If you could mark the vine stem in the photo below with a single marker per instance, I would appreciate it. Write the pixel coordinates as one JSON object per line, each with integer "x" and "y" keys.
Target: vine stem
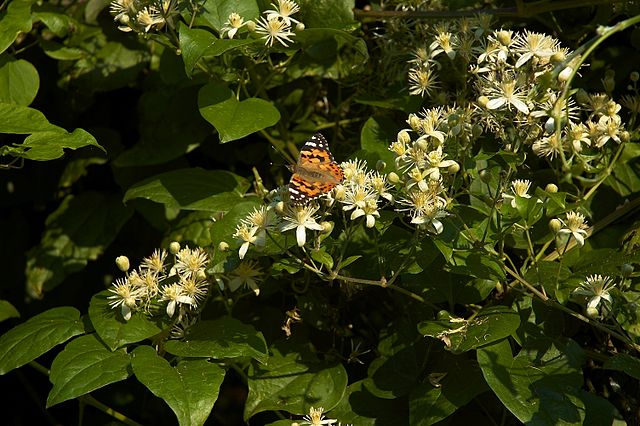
{"x": 522, "y": 10}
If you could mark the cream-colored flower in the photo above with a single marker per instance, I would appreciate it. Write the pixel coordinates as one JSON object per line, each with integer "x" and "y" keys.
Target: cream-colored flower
{"x": 233, "y": 23}
{"x": 301, "y": 219}
{"x": 519, "y": 188}
{"x": 274, "y": 29}
{"x": 575, "y": 226}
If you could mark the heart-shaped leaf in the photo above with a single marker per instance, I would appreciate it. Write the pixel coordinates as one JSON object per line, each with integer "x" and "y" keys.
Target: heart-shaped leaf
{"x": 234, "y": 119}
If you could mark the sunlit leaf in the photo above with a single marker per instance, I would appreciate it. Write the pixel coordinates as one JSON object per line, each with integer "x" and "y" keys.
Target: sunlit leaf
{"x": 190, "y": 388}
{"x": 235, "y": 119}
{"x": 85, "y": 365}
{"x": 38, "y": 335}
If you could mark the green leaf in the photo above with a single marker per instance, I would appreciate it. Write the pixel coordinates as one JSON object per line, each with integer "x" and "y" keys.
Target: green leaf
{"x": 197, "y": 43}
{"x": 316, "y": 13}
{"x": 542, "y": 384}
{"x": 625, "y": 363}
{"x": 348, "y": 261}
{"x": 85, "y": 365}
{"x": 220, "y": 339}
{"x": 193, "y": 44}
{"x": 456, "y": 381}
{"x": 38, "y": 335}
{"x": 375, "y": 139}
{"x": 216, "y": 12}
{"x": 479, "y": 265}
{"x": 58, "y": 23}
{"x": 192, "y": 189}
{"x": 489, "y": 325}
{"x": 323, "y": 257}
{"x": 76, "y": 233}
{"x": 7, "y": 310}
{"x": 19, "y": 81}
{"x": 360, "y": 407}
{"x": 46, "y": 142}
{"x": 114, "y": 331}
{"x": 44, "y": 146}
{"x": 292, "y": 383}
{"x": 60, "y": 52}
{"x": 235, "y": 119}
{"x": 16, "y": 20}
{"x": 170, "y": 127}
{"x": 18, "y": 119}
{"x": 190, "y": 388}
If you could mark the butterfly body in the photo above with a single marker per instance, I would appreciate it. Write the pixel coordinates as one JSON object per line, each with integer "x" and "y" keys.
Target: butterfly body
{"x": 316, "y": 172}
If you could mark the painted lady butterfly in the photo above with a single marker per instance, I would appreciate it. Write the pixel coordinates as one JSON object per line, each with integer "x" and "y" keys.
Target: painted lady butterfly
{"x": 316, "y": 172}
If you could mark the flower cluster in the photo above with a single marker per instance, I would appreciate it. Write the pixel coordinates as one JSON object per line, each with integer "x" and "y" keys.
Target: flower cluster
{"x": 517, "y": 91}
{"x": 141, "y": 16}
{"x": 182, "y": 286}
{"x": 275, "y": 26}
{"x": 423, "y": 166}
{"x": 363, "y": 192}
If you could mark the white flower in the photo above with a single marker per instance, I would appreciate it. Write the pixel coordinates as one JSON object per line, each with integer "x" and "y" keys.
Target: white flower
{"x": 436, "y": 161}
{"x": 315, "y": 418}
{"x": 301, "y": 219}
{"x": 150, "y": 17}
{"x": 283, "y": 10}
{"x": 232, "y": 25}
{"x": 507, "y": 93}
{"x": 422, "y": 81}
{"x": 574, "y": 226}
{"x": 246, "y": 274}
{"x": 125, "y": 296}
{"x": 248, "y": 236}
{"x": 191, "y": 263}
{"x": 274, "y": 28}
{"x": 519, "y": 187}
{"x": 176, "y": 296}
{"x": 596, "y": 288}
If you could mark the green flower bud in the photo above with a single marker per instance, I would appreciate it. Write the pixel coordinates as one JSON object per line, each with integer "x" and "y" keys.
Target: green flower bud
{"x": 555, "y": 225}
{"x": 393, "y": 178}
{"x": 123, "y": 263}
{"x": 223, "y": 246}
{"x": 174, "y": 247}
{"x": 551, "y": 188}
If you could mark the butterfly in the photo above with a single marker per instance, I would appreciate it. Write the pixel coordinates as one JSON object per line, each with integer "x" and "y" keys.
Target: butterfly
{"x": 316, "y": 172}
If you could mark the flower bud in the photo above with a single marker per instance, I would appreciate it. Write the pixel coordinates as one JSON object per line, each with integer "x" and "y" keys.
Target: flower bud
{"x": 174, "y": 247}
{"x": 550, "y": 125}
{"x": 223, "y": 246}
{"x": 279, "y": 208}
{"x": 380, "y": 166}
{"x": 123, "y": 263}
{"x": 422, "y": 145}
{"x": 627, "y": 270}
{"x": 393, "y": 178}
{"x": 551, "y": 188}
{"x": 565, "y": 74}
{"x": 300, "y": 26}
{"x": 592, "y": 312}
{"x": 454, "y": 168}
{"x": 403, "y": 137}
{"x": 634, "y": 76}
{"x": 555, "y": 225}
{"x": 414, "y": 122}
{"x": 483, "y": 101}
{"x": 504, "y": 37}
{"x": 484, "y": 175}
{"x": 609, "y": 83}
{"x": 251, "y": 26}
{"x": 327, "y": 227}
